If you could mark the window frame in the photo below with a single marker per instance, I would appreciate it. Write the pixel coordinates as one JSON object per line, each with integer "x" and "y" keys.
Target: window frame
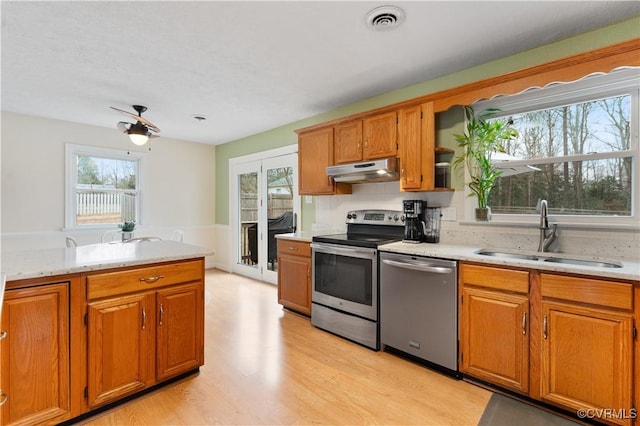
{"x": 593, "y": 86}
{"x": 72, "y": 151}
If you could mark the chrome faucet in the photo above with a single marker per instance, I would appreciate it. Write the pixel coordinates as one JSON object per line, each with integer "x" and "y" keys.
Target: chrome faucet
{"x": 546, "y": 237}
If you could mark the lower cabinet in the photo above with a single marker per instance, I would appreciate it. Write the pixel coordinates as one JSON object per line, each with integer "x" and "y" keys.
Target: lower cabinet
{"x": 34, "y": 353}
{"x": 587, "y": 346}
{"x": 576, "y": 354}
{"x": 494, "y": 344}
{"x": 294, "y": 275}
{"x": 137, "y": 336}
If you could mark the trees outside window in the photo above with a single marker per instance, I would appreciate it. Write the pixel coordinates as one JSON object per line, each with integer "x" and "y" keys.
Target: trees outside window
{"x": 584, "y": 146}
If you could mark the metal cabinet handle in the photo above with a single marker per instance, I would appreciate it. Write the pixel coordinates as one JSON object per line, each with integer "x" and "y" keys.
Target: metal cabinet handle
{"x": 293, "y": 248}
{"x": 151, "y": 279}
{"x": 161, "y": 313}
{"x": 524, "y": 323}
{"x": 3, "y": 335}
{"x": 544, "y": 327}
{"x": 4, "y": 397}
{"x": 144, "y": 318}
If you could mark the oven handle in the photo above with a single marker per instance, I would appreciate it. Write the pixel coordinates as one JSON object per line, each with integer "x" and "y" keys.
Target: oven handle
{"x": 345, "y": 251}
{"x": 422, "y": 267}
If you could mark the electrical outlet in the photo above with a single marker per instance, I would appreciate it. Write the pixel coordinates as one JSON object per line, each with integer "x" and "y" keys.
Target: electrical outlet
{"x": 448, "y": 214}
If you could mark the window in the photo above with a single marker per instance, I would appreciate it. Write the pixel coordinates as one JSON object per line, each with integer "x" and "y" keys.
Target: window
{"x": 103, "y": 186}
{"x": 577, "y": 148}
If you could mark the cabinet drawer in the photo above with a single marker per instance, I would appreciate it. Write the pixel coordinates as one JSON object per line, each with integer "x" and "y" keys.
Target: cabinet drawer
{"x": 140, "y": 279}
{"x": 498, "y": 278}
{"x": 297, "y": 248}
{"x": 584, "y": 290}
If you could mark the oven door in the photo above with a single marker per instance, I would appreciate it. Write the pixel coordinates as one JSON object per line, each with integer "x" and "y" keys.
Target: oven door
{"x": 345, "y": 278}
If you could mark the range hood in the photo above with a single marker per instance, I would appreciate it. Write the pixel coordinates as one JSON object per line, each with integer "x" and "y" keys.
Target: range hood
{"x": 383, "y": 170}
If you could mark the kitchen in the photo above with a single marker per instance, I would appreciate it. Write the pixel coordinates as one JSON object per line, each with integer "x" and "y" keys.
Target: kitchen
{"x": 318, "y": 213}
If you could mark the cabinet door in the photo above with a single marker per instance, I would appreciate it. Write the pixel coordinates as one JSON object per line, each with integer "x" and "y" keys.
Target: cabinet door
{"x": 315, "y": 153}
{"x": 494, "y": 342}
{"x": 348, "y": 142}
{"x": 380, "y": 136}
{"x": 586, "y": 358}
{"x": 121, "y": 348}
{"x": 410, "y": 148}
{"x": 180, "y": 329}
{"x": 294, "y": 283}
{"x": 35, "y": 355}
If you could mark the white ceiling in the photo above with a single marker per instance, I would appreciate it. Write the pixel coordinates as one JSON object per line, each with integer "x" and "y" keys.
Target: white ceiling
{"x": 253, "y": 66}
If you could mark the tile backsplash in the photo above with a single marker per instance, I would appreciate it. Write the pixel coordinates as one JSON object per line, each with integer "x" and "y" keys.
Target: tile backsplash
{"x": 607, "y": 243}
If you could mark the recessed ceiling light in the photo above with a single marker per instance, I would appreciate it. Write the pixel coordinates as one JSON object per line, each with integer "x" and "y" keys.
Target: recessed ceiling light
{"x": 385, "y": 18}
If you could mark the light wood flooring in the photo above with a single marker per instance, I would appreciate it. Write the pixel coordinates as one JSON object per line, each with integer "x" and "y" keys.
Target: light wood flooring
{"x": 268, "y": 366}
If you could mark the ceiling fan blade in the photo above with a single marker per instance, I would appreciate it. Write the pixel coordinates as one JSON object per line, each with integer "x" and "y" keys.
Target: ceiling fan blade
{"x": 152, "y": 136}
{"x": 142, "y": 120}
{"x": 123, "y": 126}
{"x": 149, "y": 124}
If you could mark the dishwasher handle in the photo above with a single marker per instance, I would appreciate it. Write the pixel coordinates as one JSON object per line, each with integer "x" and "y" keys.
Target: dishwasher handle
{"x": 418, "y": 266}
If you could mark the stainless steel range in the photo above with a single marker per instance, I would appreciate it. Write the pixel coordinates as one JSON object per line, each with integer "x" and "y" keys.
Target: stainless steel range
{"x": 345, "y": 275}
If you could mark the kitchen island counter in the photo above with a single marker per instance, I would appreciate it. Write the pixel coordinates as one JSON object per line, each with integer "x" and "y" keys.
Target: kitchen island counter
{"x": 26, "y": 264}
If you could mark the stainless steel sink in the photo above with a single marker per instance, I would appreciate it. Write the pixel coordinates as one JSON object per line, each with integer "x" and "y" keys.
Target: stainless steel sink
{"x": 506, "y": 255}
{"x": 581, "y": 262}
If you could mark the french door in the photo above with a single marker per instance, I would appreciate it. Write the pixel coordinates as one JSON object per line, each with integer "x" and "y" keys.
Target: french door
{"x": 264, "y": 202}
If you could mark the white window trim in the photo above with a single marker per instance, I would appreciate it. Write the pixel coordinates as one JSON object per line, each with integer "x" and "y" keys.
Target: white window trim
{"x": 618, "y": 82}
{"x": 71, "y": 176}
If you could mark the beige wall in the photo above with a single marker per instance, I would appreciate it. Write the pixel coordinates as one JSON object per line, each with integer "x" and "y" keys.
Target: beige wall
{"x": 179, "y": 183}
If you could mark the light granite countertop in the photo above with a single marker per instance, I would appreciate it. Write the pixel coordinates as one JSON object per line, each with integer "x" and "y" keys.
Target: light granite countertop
{"x": 297, "y": 236}
{"x": 18, "y": 265}
{"x": 628, "y": 271}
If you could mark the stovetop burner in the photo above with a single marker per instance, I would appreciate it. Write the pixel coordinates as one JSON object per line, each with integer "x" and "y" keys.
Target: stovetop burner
{"x": 368, "y": 228}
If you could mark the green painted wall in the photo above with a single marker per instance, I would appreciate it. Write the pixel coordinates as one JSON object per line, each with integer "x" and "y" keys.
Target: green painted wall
{"x": 285, "y": 135}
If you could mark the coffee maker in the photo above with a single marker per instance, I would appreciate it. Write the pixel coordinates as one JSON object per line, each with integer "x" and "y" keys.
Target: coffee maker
{"x": 414, "y": 226}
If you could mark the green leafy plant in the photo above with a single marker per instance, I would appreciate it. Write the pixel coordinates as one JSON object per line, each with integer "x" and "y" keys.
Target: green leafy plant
{"x": 128, "y": 226}
{"x": 482, "y": 138}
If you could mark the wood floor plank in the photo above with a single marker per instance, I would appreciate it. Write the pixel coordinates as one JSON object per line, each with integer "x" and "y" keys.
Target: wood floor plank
{"x": 268, "y": 366}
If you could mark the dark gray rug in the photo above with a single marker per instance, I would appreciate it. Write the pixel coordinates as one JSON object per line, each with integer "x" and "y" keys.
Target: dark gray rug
{"x": 506, "y": 411}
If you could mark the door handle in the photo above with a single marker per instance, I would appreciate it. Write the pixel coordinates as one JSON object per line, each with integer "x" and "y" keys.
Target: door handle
{"x": 524, "y": 323}
{"x": 544, "y": 327}
{"x": 144, "y": 318}
{"x": 422, "y": 267}
{"x": 161, "y": 313}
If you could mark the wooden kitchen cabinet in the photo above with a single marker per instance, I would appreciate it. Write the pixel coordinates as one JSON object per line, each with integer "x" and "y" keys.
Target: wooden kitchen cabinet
{"x": 348, "y": 142}
{"x": 294, "y": 275}
{"x": 144, "y": 325}
{"x": 587, "y": 344}
{"x": 315, "y": 153}
{"x": 35, "y": 355}
{"x": 416, "y": 141}
{"x": 494, "y": 343}
{"x": 380, "y": 134}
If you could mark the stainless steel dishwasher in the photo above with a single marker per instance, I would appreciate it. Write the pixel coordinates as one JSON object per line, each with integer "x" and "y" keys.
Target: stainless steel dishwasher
{"x": 419, "y": 308}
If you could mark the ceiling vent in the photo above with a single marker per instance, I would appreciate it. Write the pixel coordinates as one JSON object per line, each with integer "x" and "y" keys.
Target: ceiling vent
{"x": 385, "y": 18}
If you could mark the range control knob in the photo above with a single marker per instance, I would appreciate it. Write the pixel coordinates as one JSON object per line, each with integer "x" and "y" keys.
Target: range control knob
{"x": 396, "y": 218}
{"x": 348, "y": 215}
{"x": 402, "y": 218}
{"x": 353, "y": 216}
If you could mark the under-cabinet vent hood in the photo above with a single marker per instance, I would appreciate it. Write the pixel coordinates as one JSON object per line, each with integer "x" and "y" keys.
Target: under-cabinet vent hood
{"x": 383, "y": 170}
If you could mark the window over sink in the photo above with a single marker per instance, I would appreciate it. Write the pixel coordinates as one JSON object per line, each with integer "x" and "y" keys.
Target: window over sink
{"x": 577, "y": 148}
{"x": 102, "y": 186}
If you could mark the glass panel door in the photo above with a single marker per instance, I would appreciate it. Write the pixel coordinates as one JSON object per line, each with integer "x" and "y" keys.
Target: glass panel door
{"x": 279, "y": 208}
{"x": 265, "y": 202}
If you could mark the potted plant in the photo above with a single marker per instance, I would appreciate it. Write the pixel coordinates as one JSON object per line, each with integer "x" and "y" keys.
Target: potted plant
{"x": 482, "y": 138}
{"x": 127, "y": 229}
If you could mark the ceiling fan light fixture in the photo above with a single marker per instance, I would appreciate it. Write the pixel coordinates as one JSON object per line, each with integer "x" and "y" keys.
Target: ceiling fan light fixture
{"x": 139, "y": 134}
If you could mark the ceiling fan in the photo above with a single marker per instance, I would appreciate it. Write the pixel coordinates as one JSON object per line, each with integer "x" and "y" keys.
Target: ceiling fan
{"x": 141, "y": 131}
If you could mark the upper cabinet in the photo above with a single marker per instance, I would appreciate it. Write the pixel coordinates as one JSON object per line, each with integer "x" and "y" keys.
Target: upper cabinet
{"x": 416, "y": 143}
{"x": 348, "y": 142}
{"x": 380, "y": 136}
{"x": 367, "y": 139}
{"x": 315, "y": 153}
